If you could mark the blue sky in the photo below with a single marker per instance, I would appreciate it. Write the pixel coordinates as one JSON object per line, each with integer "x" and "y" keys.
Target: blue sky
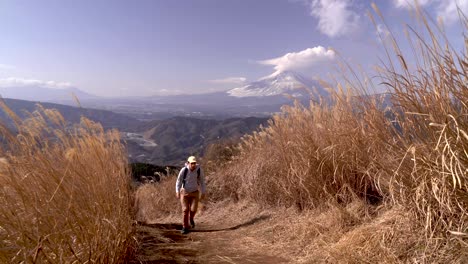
{"x": 147, "y": 47}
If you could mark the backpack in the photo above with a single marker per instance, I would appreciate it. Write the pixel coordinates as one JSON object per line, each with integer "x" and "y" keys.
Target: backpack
{"x": 185, "y": 175}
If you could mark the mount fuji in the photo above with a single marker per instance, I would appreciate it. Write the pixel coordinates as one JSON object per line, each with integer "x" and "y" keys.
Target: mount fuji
{"x": 279, "y": 84}
{"x": 258, "y": 98}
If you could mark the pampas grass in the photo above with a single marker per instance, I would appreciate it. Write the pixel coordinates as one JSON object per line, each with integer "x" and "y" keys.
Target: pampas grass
{"x": 413, "y": 155}
{"x": 352, "y": 180}
{"x": 65, "y": 192}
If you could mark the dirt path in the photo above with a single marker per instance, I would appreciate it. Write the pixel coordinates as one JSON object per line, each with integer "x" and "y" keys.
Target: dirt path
{"x": 209, "y": 242}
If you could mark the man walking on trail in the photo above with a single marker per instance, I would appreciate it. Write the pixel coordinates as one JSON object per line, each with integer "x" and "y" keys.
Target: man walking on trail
{"x": 190, "y": 182}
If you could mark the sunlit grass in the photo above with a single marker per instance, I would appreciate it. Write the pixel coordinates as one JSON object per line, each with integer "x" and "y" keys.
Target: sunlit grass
{"x": 65, "y": 192}
{"x": 353, "y": 180}
{"x": 413, "y": 155}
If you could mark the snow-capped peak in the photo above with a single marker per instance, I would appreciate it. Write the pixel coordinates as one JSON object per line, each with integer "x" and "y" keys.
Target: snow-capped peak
{"x": 285, "y": 82}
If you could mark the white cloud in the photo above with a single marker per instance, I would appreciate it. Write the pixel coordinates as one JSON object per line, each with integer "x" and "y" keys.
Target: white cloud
{"x": 297, "y": 61}
{"x": 447, "y": 10}
{"x": 335, "y": 17}
{"x": 229, "y": 80}
{"x": 20, "y": 82}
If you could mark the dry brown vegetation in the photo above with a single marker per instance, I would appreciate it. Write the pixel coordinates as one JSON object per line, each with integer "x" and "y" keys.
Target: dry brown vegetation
{"x": 156, "y": 200}
{"x": 340, "y": 182}
{"x": 64, "y": 192}
{"x": 353, "y": 181}
{"x": 409, "y": 163}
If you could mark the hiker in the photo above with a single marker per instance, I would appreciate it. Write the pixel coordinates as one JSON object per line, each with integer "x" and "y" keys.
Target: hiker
{"x": 190, "y": 182}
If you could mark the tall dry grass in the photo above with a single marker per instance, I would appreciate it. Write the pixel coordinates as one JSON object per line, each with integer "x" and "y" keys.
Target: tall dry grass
{"x": 64, "y": 192}
{"x": 413, "y": 155}
{"x": 158, "y": 200}
{"x": 307, "y": 155}
{"x": 431, "y": 96}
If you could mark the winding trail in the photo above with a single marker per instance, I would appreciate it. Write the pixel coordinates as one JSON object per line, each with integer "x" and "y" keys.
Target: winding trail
{"x": 209, "y": 242}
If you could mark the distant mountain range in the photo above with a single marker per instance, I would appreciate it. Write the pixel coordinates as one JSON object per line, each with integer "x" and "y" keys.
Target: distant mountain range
{"x": 265, "y": 95}
{"x": 46, "y": 94}
{"x": 164, "y": 130}
{"x": 167, "y": 139}
{"x": 72, "y": 114}
{"x": 259, "y": 98}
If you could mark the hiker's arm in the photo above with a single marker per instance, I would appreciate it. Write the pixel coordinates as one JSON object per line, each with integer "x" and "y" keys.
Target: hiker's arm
{"x": 179, "y": 183}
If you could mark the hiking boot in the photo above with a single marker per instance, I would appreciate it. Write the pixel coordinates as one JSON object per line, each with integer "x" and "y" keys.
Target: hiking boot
{"x": 184, "y": 231}
{"x": 192, "y": 223}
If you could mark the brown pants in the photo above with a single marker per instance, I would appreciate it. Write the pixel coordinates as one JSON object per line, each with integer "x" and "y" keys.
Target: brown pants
{"x": 189, "y": 202}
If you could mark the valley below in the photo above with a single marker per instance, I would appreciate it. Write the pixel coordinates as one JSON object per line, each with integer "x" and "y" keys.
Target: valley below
{"x": 166, "y": 140}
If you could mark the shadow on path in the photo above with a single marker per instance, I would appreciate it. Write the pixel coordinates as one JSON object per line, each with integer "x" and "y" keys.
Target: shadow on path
{"x": 162, "y": 226}
{"x": 172, "y": 226}
{"x": 248, "y": 223}
{"x": 163, "y": 243}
